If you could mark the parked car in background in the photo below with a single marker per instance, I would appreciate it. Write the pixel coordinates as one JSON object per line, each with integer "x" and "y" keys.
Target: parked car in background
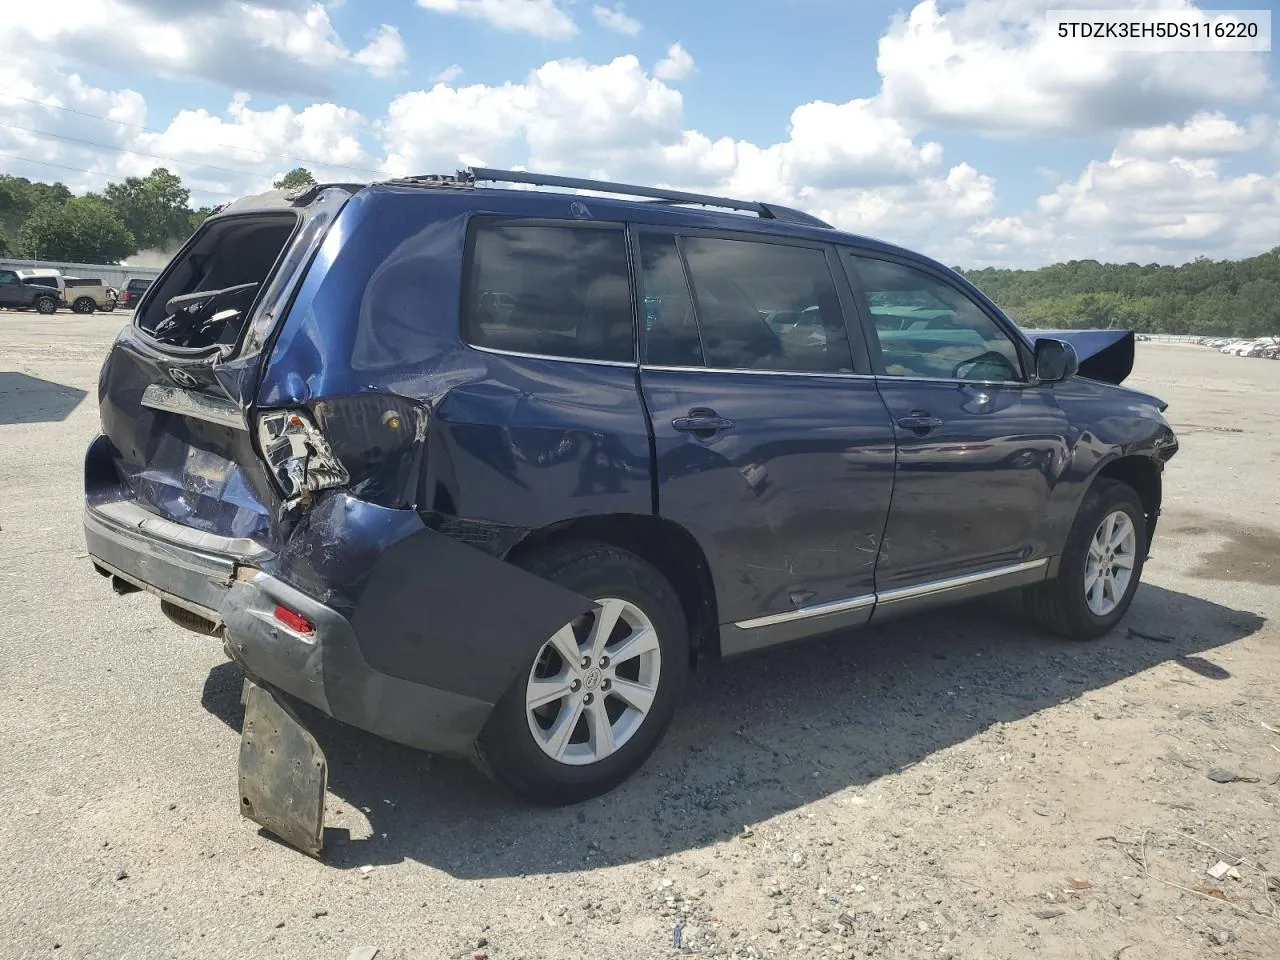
{"x": 131, "y": 291}
{"x": 49, "y": 279}
{"x": 494, "y": 473}
{"x": 17, "y": 294}
{"x": 85, "y": 295}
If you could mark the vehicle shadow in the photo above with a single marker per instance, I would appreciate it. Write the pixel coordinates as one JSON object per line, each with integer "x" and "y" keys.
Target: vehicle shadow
{"x": 755, "y": 737}
{"x": 28, "y": 399}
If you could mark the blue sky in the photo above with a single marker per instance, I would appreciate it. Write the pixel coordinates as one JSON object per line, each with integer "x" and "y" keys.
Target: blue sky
{"x": 954, "y": 126}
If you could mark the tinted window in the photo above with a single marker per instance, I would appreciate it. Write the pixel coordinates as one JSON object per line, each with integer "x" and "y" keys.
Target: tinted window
{"x": 558, "y": 291}
{"x": 671, "y": 332}
{"x": 138, "y": 286}
{"x": 928, "y": 328}
{"x": 766, "y": 306}
{"x": 8, "y": 276}
{"x": 51, "y": 282}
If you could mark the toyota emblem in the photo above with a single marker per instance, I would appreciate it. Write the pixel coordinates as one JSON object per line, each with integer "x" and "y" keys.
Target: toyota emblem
{"x": 182, "y": 378}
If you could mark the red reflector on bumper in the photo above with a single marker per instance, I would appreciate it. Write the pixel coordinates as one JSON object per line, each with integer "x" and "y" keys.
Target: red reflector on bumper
{"x": 294, "y": 621}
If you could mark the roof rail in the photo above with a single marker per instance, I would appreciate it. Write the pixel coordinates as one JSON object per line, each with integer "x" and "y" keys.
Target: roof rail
{"x": 472, "y": 175}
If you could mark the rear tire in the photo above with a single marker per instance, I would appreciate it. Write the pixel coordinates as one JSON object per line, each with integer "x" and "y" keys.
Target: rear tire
{"x": 1082, "y": 602}
{"x": 46, "y": 305}
{"x": 611, "y": 715}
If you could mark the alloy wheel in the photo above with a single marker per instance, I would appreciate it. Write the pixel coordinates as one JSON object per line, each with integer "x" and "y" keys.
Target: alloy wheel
{"x": 1109, "y": 566}
{"x": 593, "y": 683}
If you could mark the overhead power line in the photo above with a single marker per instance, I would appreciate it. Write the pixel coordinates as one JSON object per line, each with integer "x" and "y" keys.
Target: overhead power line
{"x": 136, "y": 153}
{"x": 139, "y": 126}
{"x": 63, "y": 166}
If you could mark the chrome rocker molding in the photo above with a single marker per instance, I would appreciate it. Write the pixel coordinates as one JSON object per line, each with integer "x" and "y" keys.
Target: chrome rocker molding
{"x": 188, "y": 403}
{"x": 917, "y": 592}
{"x": 817, "y": 610}
{"x": 955, "y": 583}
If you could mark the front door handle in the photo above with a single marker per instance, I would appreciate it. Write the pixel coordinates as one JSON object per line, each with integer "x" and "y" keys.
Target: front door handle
{"x": 703, "y": 422}
{"x": 919, "y": 420}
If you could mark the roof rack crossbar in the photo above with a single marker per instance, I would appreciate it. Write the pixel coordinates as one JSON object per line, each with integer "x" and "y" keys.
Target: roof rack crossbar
{"x": 767, "y": 211}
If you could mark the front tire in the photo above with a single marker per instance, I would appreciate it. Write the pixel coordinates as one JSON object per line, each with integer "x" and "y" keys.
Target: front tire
{"x": 1100, "y": 567}
{"x": 84, "y": 305}
{"x": 594, "y": 701}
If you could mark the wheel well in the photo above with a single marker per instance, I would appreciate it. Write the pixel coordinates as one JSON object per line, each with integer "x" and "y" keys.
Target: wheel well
{"x": 1144, "y": 477}
{"x": 658, "y": 541}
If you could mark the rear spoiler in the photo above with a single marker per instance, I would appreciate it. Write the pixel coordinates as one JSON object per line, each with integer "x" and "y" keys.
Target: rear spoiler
{"x": 1105, "y": 355}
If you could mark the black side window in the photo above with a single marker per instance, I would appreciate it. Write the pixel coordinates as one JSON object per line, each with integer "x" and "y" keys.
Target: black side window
{"x": 8, "y": 276}
{"x": 766, "y": 306}
{"x": 558, "y": 291}
{"x": 928, "y": 328}
{"x": 671, "y": 332}
{"x": 138, "y": 286}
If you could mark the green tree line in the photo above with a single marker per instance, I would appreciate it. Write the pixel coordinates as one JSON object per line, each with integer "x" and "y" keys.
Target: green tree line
{"x": 44, "y": 221}
{"x": 1204, "y": 297}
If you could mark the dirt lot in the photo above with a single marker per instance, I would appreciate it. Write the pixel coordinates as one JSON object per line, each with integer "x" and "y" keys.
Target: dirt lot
{"x": 949, "y": 786}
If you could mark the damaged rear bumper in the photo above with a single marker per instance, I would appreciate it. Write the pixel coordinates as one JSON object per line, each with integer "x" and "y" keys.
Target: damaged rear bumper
{"x": 222, "y": 581}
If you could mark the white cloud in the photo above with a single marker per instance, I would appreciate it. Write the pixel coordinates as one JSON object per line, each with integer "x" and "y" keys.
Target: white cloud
{"x": 384, "y": 53}
{"x": 676, "y": 65}
{"x": 276, "y": 46}
{"x": 991, "y": 67}
{"x": 1204, "y": 135}
{"x": 848, "y": 162}
{"x": 1004, "y": 231}
{"x": 219, "y": 155}
{"x": 612, "y": 18}
{"x": 565, "y": 111}
{"x": 1172, "y": 189}
{"x": 542, "y": 18}
{"x": 323, "y": 137}
{"x": 1138, "y": 209}
{"x": 63, "y": 151}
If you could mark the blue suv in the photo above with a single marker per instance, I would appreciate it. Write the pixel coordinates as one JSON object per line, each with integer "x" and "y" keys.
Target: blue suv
{"x": 487, "y": 471}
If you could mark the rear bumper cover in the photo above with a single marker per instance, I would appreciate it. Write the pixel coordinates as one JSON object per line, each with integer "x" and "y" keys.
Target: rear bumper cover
{"x": 219, "y": 578}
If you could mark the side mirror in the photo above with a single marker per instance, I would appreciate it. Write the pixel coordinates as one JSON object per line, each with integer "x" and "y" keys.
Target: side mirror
{"x": 1055, "y": 361}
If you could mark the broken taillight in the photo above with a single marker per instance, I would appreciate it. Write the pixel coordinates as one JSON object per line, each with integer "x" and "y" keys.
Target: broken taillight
{"x": 299, "y": 457}
{"x": 370, "y": 444}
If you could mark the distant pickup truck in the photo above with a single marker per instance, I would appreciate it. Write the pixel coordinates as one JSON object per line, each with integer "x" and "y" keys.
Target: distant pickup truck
{"x": 85, "y": 295}
{"x": 16, "y": 294}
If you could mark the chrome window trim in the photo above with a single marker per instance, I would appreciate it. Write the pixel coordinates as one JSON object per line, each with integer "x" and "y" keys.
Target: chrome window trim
{"x": 890, "y": 596}
{"x": 817, "y": 610}
{"x": 629, "y": 364}
{"x": 976, "y": 383}
{"x": 188, "y": 403}
{"x": 666, "y": 368}
{"x": 954, "y": 583}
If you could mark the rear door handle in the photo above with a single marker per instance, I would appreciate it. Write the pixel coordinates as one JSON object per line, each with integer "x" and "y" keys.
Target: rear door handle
{"x": 919, "y": 421}
{"x": 702, "y": 421}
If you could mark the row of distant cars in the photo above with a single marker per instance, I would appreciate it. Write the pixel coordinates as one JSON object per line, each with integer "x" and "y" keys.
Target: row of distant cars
{"x": 47, "y": 290}
{"x": 1267, "y": 347}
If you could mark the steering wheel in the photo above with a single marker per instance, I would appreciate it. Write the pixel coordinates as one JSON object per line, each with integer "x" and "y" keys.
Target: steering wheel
{"x": 992, "y": 357}
{"x": 192, "y": 320}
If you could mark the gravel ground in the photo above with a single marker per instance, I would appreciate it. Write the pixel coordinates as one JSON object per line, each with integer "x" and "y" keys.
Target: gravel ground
{"x": 954, "y": 785}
